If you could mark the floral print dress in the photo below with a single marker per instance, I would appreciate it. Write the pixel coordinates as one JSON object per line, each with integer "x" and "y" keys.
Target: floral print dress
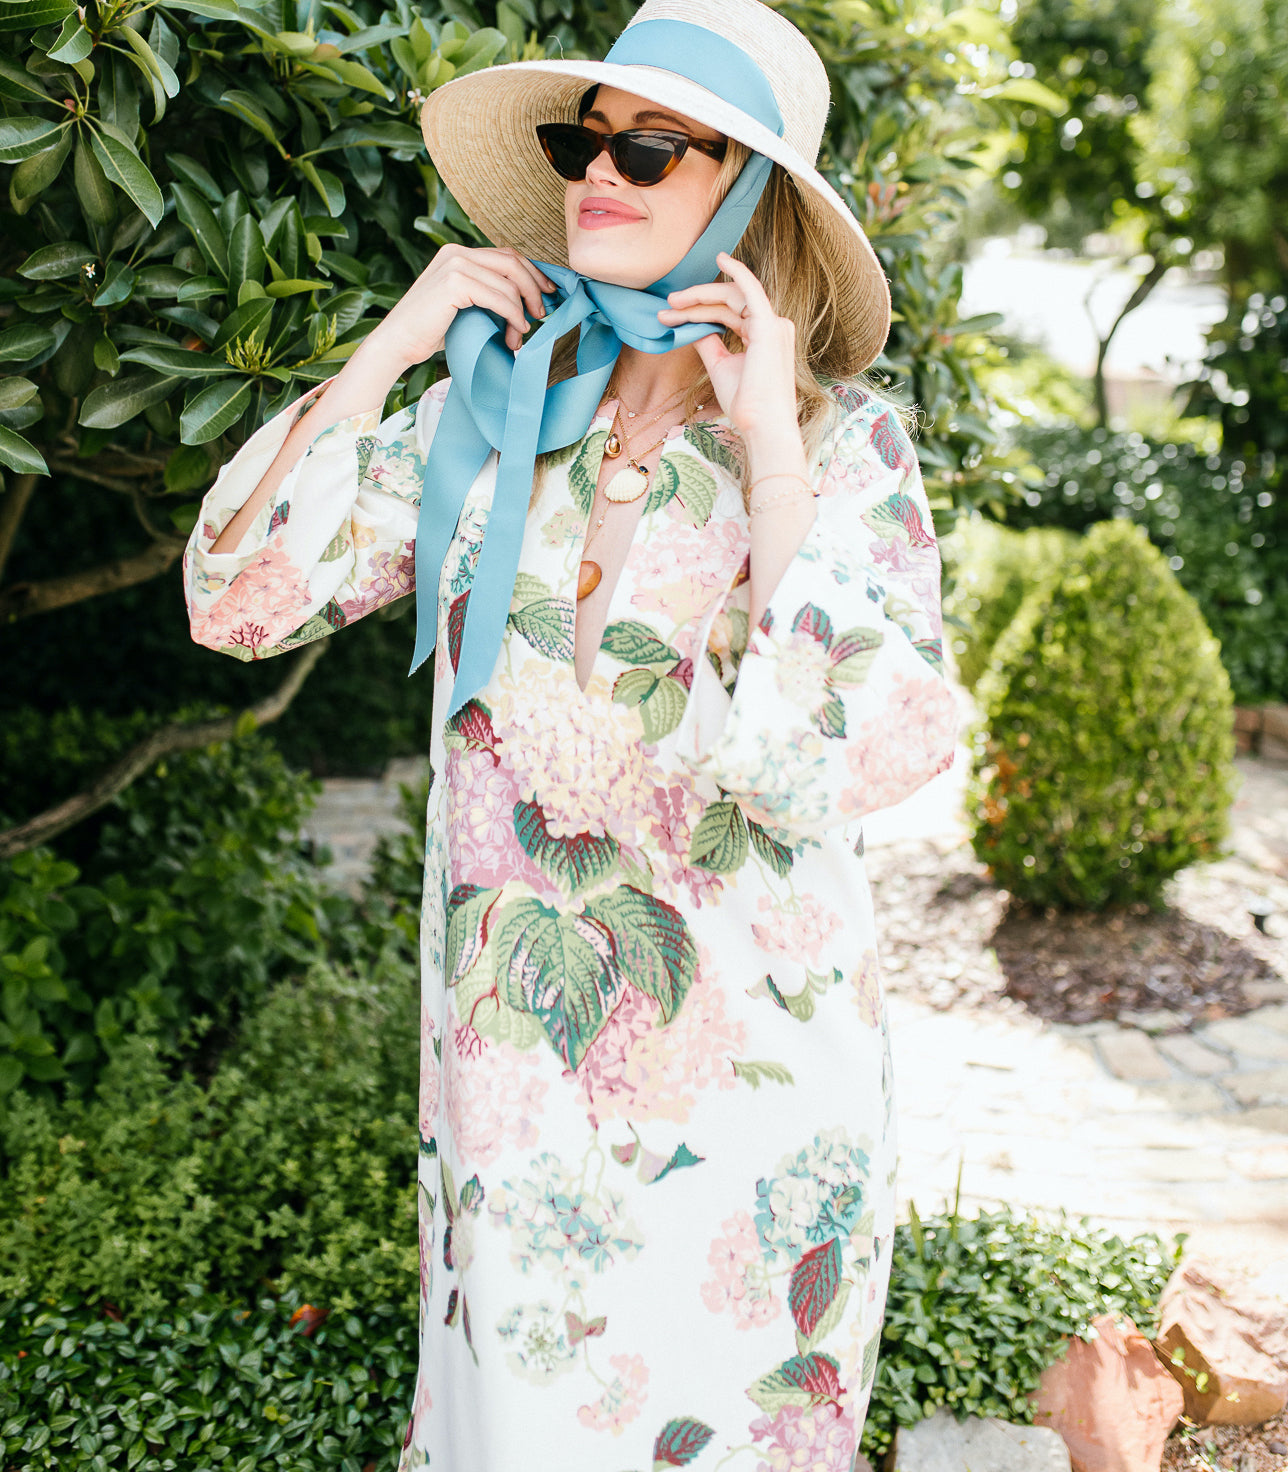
{"x": 656, "y": 1137}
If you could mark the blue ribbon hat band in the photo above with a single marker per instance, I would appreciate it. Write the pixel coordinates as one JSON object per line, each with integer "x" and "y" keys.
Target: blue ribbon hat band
{"x": 499, "y": 400}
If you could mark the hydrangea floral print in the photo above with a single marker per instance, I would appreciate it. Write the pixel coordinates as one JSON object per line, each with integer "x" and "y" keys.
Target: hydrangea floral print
{"x": 656, "y": 1148}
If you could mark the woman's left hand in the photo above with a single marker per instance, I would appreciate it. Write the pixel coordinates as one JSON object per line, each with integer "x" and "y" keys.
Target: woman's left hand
{"x": 756, "y": 387}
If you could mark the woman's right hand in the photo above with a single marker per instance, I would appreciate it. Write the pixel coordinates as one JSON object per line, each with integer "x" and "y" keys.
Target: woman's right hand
{"x": 500, "y": 280}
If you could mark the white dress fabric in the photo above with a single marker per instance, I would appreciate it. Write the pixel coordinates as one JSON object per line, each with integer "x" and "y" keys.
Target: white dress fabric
{"x": 656, "y": 1131}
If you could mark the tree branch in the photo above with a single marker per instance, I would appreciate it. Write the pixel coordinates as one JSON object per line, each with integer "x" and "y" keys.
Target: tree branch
{"x": 178, "y": 736}
{"x": 1144, "y": 286}
{"x": 25, "y": 600}
{"x": 13, "y": 507}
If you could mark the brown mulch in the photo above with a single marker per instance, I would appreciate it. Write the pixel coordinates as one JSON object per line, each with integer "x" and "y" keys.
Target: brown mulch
{"x": 950, "y": 938}
{"x": 1229, "y": 1448}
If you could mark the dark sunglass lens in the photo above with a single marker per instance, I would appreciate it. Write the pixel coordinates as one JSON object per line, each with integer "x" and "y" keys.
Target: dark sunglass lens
{"x": 569, "y": 149}
{"x": 643, "y": 159}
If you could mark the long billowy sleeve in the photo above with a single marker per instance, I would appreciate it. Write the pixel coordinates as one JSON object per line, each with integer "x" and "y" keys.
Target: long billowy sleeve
{"x": 840, "y": 705}
{"x": 335, "y": 541}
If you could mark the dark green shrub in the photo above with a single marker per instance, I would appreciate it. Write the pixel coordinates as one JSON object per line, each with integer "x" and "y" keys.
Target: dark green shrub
{"x": 186, "y": 898}
{"x": 200, "y": 1387}
{"x": 978, "y": 1308}
{"x": 1222, "y": 523}
{"x": 1104, "y": 763}
{"x": 993, "y": 569}
{"x": 293, "y": 1168}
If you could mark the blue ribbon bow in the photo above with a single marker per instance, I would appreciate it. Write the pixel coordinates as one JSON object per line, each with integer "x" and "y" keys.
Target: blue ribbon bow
{"x": 499, "y": 400}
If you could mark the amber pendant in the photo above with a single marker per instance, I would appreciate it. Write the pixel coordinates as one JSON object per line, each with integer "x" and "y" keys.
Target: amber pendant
{"x": 629, "y": 484}
{"x": 613, "y": 445}
{"x": 588, "y": 577}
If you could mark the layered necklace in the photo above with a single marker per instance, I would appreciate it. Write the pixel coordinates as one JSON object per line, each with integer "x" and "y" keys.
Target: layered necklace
{"x": 631, "y": 481}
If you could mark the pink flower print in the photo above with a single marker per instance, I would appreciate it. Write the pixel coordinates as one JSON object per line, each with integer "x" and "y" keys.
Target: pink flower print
{"x": 578, "y": 757}
{"x": 794, "y": 932}
{"x": 388, "y": 575}
{"x": 482, "y": 845}
{"x": 493, "y": 1103}
{"x": 896, "y": 556}
{"x": 680, "y": 570}
{"x": 421, "y": 1405}
{"x": 638, "y": 1070}
{"x": 903, "y": 747}
{"x": 622, "y": 1400}
{"x": 265, "y": 601}
{"x": 817, "y": 1438}
{"x": 675, "y": 814}
{"x": 739, "y": 1283}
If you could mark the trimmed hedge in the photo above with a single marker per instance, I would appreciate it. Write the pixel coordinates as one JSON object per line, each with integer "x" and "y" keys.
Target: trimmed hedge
{"x": 993, "y": 569}
{"x": 1221, "y": 521}
{"x": 196, "y": 1388}
{"x": 1104, "y": 760}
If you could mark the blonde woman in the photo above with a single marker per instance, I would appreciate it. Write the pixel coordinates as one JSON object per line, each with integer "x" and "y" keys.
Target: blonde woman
{"x": 681, "y": 580}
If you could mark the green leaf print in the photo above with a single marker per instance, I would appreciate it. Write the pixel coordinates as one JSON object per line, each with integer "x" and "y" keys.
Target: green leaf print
{"x": 635, "y": 686}
{"x": 830, "y": 718}
{"x": 652, "y": 944}
{"x": 528, "y": 588}
{"x": 816, "y": 1280}
{"x": 469, "y": 910}
{"x": 632, "y": 642}
{"x": 339, "y": 544}
{"x": 832, "y": 1317}
{"x": 450, "y": 1206}
{"x": 663, "y": 709}
{"x": 663, "y": 485}
{"x": 696, "y": 489}
{"x": 575, "y": 862}
{"x": 549, "y": 626}
{"x": 583, "y": 473}
{"x": 562, "y": 969}
{"x": 720, "y": 840}
{"x": 680, "y": 1441}
{"x": 777, "y": 855}
{"x": 852, "y": 656}
{"x": 681, "y": 1158}
{"x": 711, "y": 447}
{"x": 870, "y": 1352}
{"x": 757, "y": 1073}
{"x": 803, "y": 1380}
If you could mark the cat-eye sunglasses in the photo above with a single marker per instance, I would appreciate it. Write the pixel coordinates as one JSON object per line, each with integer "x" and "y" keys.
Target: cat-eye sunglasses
{"x": 642, "y": 156}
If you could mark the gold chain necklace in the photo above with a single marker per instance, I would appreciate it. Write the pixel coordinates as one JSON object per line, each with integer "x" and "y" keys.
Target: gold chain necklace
{"x": 631, "y": 482}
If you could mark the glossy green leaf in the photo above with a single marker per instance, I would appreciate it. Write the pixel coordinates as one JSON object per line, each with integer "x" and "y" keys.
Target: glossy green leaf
{"x": 97, "y": 201}
{"x": 35, "y": 174}
{"x": 57, "y": 262}
{"x": 117, "y": 287}
{"x": 295, "y": 288}
{"x": 20, "y": 455}
{"x": 161, "y": 70}
{"x": 21, "y": 137}
{"x": 213, "y": 410}
{"x": 128, "y": 172}
{"x": 73, "y": 42}
{"x": 25, "y": 340}
{"x": 329, "y": 188}
{"x": 25, "y": 15}
{"x": 252, "y": 111}
{"x": 246, "y": 258}
{"x": 177, "y": 360}
{"x": 244, "y": 323}
{"x": 106, "y": 357}
{"x": 200, "y": 219}
{"x": 15, "y": 392}
{"x": 19, "y": 84}
{"x": 374, "y": 133}
{"x": 113, "y": 404}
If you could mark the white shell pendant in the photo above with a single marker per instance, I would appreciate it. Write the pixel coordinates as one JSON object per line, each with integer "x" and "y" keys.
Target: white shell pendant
{"x": 629, "y": 484}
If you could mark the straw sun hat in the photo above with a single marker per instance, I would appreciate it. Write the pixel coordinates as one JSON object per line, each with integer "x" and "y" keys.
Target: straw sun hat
{"x": 481, "y": 133}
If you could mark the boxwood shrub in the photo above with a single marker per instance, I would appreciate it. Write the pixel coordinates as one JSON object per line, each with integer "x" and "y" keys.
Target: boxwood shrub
{"x": 1104, "y": 760}
{"x": 198, "y": 1387}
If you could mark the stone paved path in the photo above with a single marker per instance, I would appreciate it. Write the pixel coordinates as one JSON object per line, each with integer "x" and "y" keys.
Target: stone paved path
{"x": 1135, "y": 1129}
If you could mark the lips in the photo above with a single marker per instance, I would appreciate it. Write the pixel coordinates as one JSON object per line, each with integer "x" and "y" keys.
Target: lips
{"x": 599, "y": 213}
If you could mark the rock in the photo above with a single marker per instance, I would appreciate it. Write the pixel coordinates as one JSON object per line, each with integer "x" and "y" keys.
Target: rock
{"x": 1111, "y": 1400}
{"x": 1214, "y": 1323}
{"x": 945, "y": 1444}
{"x": 861, "y": 1463}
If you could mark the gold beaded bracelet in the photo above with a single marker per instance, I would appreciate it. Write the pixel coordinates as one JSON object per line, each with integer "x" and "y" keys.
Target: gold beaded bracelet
{"x": 783, "y": 496}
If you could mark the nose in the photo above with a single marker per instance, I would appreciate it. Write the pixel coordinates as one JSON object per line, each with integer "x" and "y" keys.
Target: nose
{"x": 602, "y": 170}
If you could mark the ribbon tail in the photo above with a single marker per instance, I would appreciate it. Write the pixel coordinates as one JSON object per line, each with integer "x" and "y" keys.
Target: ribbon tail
{"x": 457, "y": 453}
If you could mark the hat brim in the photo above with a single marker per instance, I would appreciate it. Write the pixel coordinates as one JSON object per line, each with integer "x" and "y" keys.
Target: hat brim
{"x": 480, "y": 130}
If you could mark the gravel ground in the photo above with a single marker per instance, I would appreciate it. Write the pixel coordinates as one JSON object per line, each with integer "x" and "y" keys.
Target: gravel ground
{"x": 1228, "y": 1448}
{"x": 950, "y": 938}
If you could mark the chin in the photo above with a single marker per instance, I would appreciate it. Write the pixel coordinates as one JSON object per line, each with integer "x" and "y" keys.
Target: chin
{"x": 604, "y": 260}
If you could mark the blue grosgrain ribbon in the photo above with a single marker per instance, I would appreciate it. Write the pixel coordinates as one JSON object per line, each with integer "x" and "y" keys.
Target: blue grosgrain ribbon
{"x": 499, "y": 400}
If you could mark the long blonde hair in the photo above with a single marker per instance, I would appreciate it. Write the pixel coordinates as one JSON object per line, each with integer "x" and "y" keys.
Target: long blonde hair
{"x": 785, "y": 250}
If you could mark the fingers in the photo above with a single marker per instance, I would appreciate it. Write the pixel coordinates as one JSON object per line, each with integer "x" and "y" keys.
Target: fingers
{"x": 529, "y": 281}
{"x": 718, "y": 312}
{"x": 753, "y": 292}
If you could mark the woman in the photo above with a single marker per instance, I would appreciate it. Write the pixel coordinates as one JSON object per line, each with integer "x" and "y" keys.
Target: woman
{"x": 656, "y": 1169}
